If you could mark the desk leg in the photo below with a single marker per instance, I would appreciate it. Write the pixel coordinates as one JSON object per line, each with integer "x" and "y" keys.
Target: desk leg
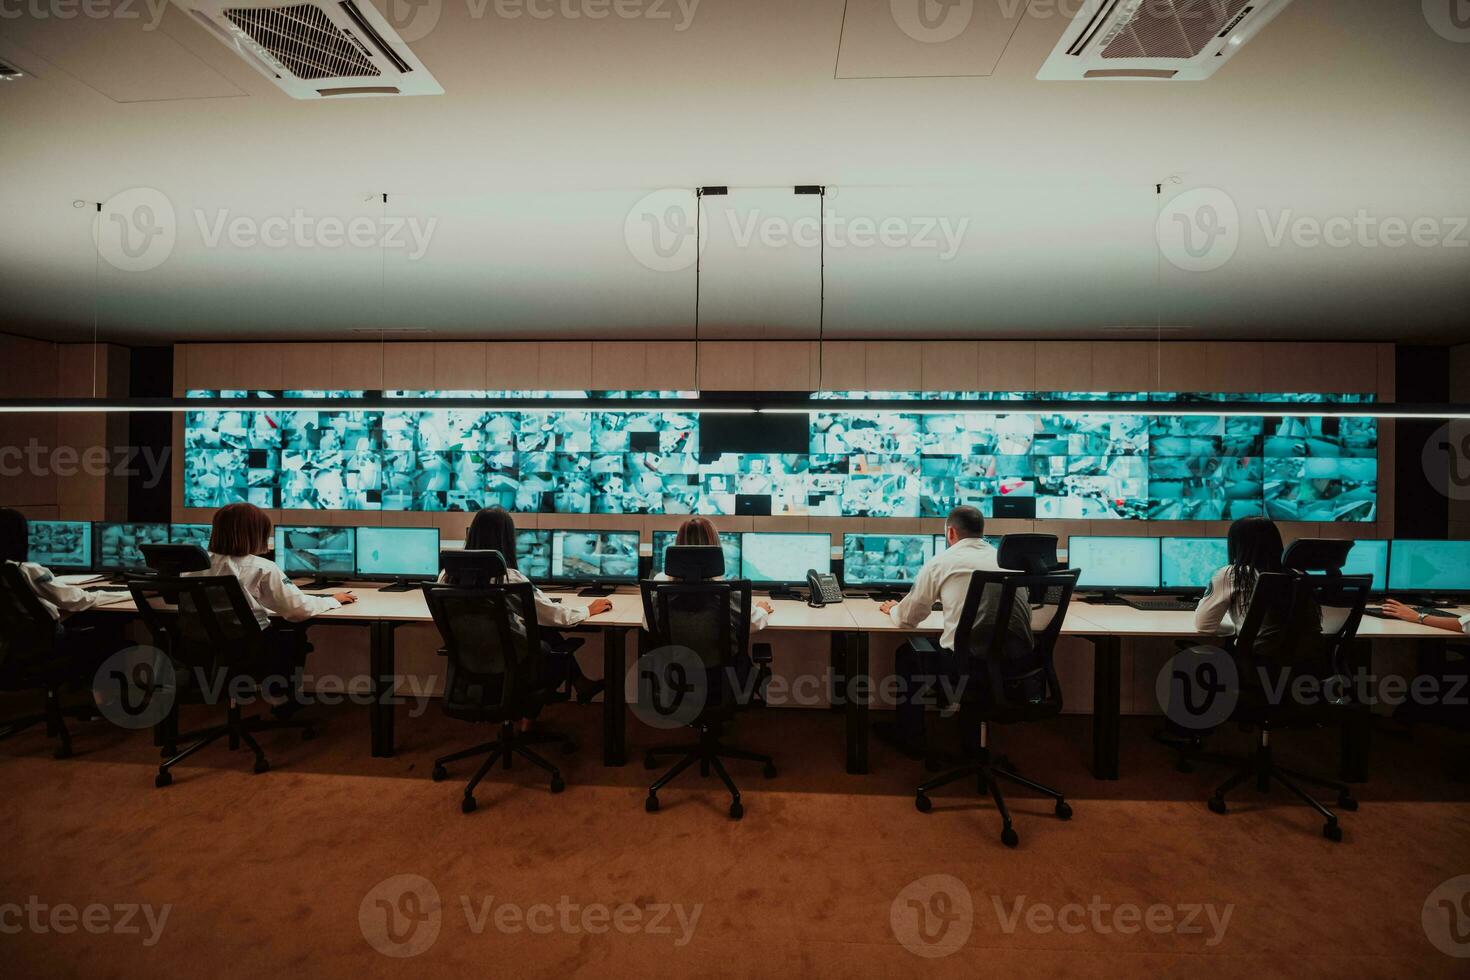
{"x": 614, "y": 696}
{"x": 1107, "y": 705}
{"x": 855, "y": 692}
{"x": 838, "y": 664}
{"x": 381, "y": 671}
{"x": 1357, "y": 730}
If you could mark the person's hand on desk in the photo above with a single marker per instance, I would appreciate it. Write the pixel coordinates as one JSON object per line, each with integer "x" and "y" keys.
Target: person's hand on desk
{"x": 886, "y": 607}
{"x": 345, "y": 598}
{"x": 1397, "y": 610}
{"x": 765, "y": 604}
{"x": 599, "y": 606}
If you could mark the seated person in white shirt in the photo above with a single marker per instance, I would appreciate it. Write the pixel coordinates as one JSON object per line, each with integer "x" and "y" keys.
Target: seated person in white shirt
{"x": 1408, "y": 614}
{"x": 495, "y": 530}
{"x": 1253, "y": 548}
{"x": 700, "y": 532}
{"x": 60, "y": 600}
{"x": 945, "y": 577}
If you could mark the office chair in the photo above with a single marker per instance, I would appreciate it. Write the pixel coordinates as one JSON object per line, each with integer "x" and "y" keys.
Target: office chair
{"x": 173, "y": 560}
{"x": 711, "y": 619}
{"x": 1007, "y": 663}
{"x": 1296, "y": 626}
{"x": 1034, "y": 554}
{"x": 495, "y": 656}
{"x": 34, "y": 658}
{"x": 206, "y": 628}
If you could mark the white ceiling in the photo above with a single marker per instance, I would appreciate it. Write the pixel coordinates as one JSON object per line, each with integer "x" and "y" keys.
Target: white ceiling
{"x": 550, "y": 132}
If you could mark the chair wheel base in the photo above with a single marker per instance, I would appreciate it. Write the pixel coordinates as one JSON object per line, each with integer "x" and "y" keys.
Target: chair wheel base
{"x": 769, "y": 771}
{"x": 650, "y": 805}
{"x": 557, "y": 785}
{"x": 438, "y": 774}
{"x": 1332, "y": 832}
{"x": 261, "y": 765}
{"x": 923, "y": 804}
{"x": 467, "y": 805}
{"x": 1345, "y": 802}
{"x": 1063, "y": 810}
{"x": 737, "y": 810}
{"x": 164, "y": 778}
{"x": 1217, "y": 805}
{"x": 1009, "y": 837}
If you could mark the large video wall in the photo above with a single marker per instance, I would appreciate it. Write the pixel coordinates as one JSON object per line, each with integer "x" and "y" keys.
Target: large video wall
{"x": 855, "y": 463}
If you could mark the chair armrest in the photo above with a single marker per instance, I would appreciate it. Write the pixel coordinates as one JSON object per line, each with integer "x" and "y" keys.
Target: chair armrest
{"x": 922, "y": 644}
{"x": 760, "y": 653}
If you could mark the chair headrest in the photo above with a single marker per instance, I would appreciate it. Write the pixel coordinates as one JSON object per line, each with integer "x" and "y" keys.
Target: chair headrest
{"x": 690, "y": 563}
{"x": 1317, "y": 555}
{"x": 172, "y": 560}
{"x": 469, "y": 567}
{"x": 1031, "y": 553}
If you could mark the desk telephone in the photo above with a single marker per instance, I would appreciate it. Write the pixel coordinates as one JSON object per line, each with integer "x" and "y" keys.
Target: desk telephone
{"x": 824, "y": 588}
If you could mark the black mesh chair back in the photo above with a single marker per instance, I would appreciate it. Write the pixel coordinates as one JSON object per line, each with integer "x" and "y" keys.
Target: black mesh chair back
{"x": 201, "y": 622}
{"x": 711, "y": 619}
{"x": 493, "y": 644}
{"x": 172, "y": 560}
{"x": 472, "y": 569}
{"x": 27, "y": 631}
{"x": 1007, "y": 636}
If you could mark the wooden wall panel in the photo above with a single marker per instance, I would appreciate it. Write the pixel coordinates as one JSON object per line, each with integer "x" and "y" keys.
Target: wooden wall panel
{"x": 512, "y": 367}
{"x": 565, "y": 366}
{"x": 408, "y": 367}
{"x": 670, "y": 365}
{"x": 1007, "y": 365}
{"x": 619, "y": 366}
{"x": 949, "y": 365}
{"x": 727, "y": 365}
{"x": 1127, "y": 365}
{"x": 460, "y": 366}
{"x": 785, "y": 365}
{"x": 1064, "y": 366}
{"x": 893, "y": 366}
{"x": 844, "y": 365}
{"x": 357, "y": 366}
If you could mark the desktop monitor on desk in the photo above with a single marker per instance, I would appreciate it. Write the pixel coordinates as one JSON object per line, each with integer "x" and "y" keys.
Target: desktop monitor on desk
{"x": 884, "y": 559}
{"x": 404, "y": 555}
{"x": 1429, "y": 566}
{"x": 1369, "y": 558}
{"x": 1190, "y": 563}
{"x": 190, "y": 534}
{"x": 533, "y": 553}
{"x": 783, "y": 559}
{"x": 1115, "y": 562}
{"x": 942, "y": 541}
{"x": 729, "y": 543}
{"x": 321, "y": 552}
{"x": 118, "y": 546}
{"x": 62, "y": 546}
{"x": 601, "y": 557}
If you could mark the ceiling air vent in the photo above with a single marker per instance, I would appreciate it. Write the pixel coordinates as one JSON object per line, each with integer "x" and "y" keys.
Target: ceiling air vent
{"x": 1159, "y": 40}
{"x": 322, "y": 50}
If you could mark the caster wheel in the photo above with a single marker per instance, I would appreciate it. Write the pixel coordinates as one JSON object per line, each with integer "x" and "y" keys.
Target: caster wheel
{"x": 923, "y": 804}
{"x": 1347, "y": 803}
{"x": 467, "y": 805}
{"x": 1217, "y": 805}
{"x": 261, "y": 766}
{"x": 1332, "y": 832}
{"x": 737, "y": 810}
{"x": 557, "y": 785}
{"x": 1064, "y": 810}
{"x": 164, "y": 778}
{"x": 650, "y": 805}
{"x": 1009, "y": 838}
{"x": 649, "y": 762}
{"x": 439, "y": 774}
{"x": 769, "y": 771}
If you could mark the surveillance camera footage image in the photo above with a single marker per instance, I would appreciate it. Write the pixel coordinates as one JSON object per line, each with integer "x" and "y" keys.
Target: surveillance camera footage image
{"x": 884, "y": 559}
{"x": 60, "y": 544}
{"x": 119, "y": 546}
{"x": 600, "y": 555}
{"x": 828, "y": 463}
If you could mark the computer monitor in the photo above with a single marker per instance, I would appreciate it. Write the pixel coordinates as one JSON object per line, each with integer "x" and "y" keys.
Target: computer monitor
{"x": 118, "y": 546}
{"x": 594, "y": 556}
{"x": 884, "y": 559}
{"x": 190, "y": 534}
{"x": 1429, "y": 566}
{"x": 1115, "y": 562}
{"x": 533, "y": 553}
{"x": 62, "y": 546}
{"x": 729, "y": 543}
{"x": 941, "y": 542}
{"x": 1369, "y": 558}
{"x": 1190, "y": 563}
{"x": 403, "y": 554}
{"x": 783, "y": 559}
{"x": 321, "y": 552}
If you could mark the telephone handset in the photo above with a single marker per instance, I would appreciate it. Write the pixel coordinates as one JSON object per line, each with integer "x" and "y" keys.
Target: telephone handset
{"x": 824, "y": 588}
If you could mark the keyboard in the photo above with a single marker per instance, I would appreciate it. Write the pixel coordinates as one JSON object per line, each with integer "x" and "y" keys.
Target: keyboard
{"x": 1159, "y": 603}
{"x": 107, "y": 588}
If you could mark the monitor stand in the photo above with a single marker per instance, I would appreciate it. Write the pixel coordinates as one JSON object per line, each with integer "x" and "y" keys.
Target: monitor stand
{"x": 784, "y": 592}
{"x": 319, "y": 584}
{"x": 595, "y": 591}
{"x": 400, "y": 585}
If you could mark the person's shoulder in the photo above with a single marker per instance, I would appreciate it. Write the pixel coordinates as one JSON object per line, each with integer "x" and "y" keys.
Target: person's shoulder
{"x": 515, "y": 575}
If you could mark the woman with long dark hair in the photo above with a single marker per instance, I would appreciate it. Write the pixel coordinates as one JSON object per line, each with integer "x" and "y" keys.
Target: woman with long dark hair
{"x": 1253, "y": 549}
{"x": 700, "y": 532}
{"x": 61, "y": 600}
{"x": 495, "y": 530}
